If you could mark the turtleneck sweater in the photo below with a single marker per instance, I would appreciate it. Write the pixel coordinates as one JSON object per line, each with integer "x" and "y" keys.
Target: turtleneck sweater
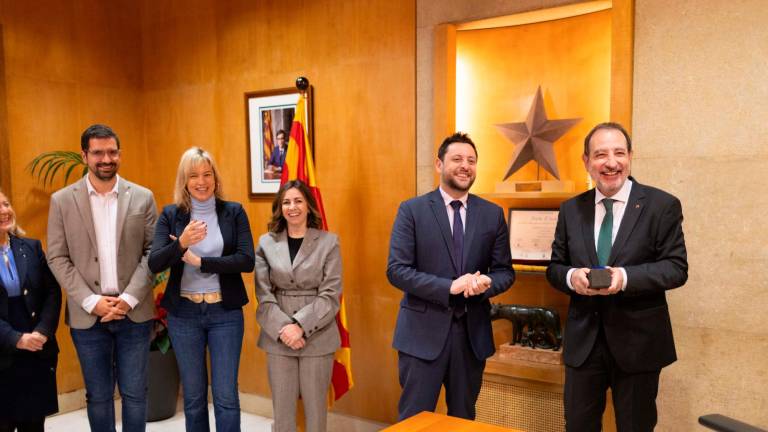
{"x": 193, "y": 280}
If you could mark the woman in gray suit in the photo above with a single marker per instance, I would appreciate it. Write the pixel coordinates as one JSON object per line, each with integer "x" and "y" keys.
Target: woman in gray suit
{"x": 298, "y": 284}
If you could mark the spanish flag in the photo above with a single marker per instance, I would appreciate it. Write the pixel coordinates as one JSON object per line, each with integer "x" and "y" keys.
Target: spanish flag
{"x": 299, "y": 165}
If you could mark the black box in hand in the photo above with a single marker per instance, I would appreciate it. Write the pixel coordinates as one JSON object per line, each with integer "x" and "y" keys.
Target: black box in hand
{"x": 599, "y": 278}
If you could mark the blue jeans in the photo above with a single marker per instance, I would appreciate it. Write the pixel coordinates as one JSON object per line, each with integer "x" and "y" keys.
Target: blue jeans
{"x": 192, "y": 327}
{"x": 115, "y": 350}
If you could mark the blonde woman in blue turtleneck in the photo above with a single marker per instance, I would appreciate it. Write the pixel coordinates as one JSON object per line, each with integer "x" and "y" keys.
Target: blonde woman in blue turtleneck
{"x": 207, "y": 243}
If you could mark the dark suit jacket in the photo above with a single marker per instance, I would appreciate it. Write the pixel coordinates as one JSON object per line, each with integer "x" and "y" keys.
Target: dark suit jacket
{"x": 41, "y": 294}
{"x": 420, "y": 263}
{"x": 650, "y": 247}
{"x": 236, "y": 258}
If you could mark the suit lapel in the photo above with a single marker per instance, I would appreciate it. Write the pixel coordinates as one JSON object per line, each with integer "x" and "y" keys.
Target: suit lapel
{"x": 632, "y": 211}
{"x": 83, "y": 204}
{"x": 20, "y": 256}
{"x": 282, "y": 252}
{"x": 181, "y": 221}
{"x": 308, "y": 245}
{"x": 470, "y": 226}
{"x": 587, "y": 209}
{"x": 123, "y": 203}
{"x": 437, "y": 205}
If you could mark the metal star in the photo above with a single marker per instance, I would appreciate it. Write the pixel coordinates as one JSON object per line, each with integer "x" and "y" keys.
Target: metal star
{"x": 534, "y": 139}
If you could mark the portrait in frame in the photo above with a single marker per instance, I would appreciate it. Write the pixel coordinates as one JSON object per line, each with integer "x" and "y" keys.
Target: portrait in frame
{"x": 269, "y": 116}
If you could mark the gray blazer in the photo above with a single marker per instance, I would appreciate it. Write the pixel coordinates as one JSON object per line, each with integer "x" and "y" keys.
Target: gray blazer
{"x": 73, "y": 252}
{"x": 307, "y": 290}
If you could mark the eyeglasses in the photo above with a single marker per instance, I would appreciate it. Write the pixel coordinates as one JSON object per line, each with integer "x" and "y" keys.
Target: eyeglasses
{"x": 99, "y": 154}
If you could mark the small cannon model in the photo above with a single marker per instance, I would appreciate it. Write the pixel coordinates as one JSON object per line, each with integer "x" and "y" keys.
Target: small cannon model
{"x": 533, "y": 326}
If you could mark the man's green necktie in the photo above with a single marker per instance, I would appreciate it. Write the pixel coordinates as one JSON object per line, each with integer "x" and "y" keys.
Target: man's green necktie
{"x": 605, "y": 234}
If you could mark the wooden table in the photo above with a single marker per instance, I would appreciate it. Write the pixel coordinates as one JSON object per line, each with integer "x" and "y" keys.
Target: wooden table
{"x": 431, "y": 422}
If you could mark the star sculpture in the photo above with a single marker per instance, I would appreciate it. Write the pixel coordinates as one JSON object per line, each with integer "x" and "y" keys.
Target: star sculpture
{"x": 535, "y": 138}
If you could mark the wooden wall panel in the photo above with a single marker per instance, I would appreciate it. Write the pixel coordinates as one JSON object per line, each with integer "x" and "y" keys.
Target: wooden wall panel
{"x": 67, "y": 65}
{"x": 169, "y": 75}
{"x": 364, "y": 136}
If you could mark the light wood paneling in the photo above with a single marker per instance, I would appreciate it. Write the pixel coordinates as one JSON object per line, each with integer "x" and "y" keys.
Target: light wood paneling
{"x": 67, "y": 65}
{"x": 169, "y": 75}
{"x": 364, "y": 139}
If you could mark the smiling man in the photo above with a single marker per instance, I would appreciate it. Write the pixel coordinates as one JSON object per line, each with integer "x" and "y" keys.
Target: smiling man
{"x": 617, "y": 337}
{"x": 449, "y": 254}
{"x": 100, "y": 232}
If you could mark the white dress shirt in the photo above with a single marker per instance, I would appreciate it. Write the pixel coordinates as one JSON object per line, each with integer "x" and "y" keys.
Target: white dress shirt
{"x": 619, "y": 205}
{"x": 104, "y": 214}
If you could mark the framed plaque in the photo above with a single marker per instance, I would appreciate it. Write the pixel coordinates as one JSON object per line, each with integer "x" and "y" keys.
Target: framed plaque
{"x": 531, "y": 232}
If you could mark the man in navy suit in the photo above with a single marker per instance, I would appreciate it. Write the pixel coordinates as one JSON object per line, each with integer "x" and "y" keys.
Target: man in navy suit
{"x": 449, "y": 254}
{"x": 621, "y": 336}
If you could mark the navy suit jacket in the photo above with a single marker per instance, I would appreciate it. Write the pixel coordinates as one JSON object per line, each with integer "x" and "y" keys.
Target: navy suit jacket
{"x": 421, "y": 265}
{"x": 650, "y": 247}
{"x": 42, "y": 297}
{"x": 236, "y": 258}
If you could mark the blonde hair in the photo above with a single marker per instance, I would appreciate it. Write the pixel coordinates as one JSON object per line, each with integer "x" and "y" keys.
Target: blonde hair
{"x": 15, "y": 230}
{"x": 191, "y": 159}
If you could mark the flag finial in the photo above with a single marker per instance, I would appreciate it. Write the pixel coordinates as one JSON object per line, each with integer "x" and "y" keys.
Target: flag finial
{"x": 302, "y": 83}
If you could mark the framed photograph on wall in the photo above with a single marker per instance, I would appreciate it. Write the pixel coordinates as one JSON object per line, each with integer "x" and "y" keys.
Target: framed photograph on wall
{"x": 531, "y": 232}
{"x": 269, "y": 115}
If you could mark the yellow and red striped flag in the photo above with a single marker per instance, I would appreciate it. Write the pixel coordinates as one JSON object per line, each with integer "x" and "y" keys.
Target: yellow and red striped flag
{"x": 299, "y": 165}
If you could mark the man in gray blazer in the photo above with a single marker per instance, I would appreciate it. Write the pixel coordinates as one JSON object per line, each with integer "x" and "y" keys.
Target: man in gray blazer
{"x": 100, "y": 232}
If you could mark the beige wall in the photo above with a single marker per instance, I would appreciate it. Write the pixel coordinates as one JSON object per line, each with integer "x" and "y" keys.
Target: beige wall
{"x": 700, "y": 130}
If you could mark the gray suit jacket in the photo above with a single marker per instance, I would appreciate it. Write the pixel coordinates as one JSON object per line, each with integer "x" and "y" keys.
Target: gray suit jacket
{"x": 73, "y": 252}
{"x": 307, "y": 290}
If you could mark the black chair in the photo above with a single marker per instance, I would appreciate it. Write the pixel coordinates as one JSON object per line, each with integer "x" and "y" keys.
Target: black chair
{"x": 721, "y": 423}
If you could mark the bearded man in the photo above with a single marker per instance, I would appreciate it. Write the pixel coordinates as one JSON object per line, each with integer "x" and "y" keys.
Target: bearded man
{"x": 449, "y": 254}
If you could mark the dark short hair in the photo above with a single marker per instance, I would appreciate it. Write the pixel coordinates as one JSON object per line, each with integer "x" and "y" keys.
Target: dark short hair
{"x": 607, "y": 125}
{"x": 458, "y": 137}
{"x": 97, "y": 131}
{"x": 278, "y": 223}
{"x": 281, "y": 131}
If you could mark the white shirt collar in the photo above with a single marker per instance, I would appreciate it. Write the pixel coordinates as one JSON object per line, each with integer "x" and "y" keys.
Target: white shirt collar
{"x": 622, "y": 195}
{"x": 448, "y": 199}
{"x": 92, "y": 190}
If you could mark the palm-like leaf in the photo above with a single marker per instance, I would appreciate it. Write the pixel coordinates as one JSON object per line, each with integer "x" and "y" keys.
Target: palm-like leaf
{"x": 46, "y": 165}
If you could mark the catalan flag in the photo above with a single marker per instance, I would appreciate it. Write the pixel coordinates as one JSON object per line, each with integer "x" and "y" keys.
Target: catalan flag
{"x": 299, "y": 165}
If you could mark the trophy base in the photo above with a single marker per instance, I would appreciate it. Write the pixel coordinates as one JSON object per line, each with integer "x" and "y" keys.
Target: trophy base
{"x": 535, "y": 186}
{"x": 518, "y": 352}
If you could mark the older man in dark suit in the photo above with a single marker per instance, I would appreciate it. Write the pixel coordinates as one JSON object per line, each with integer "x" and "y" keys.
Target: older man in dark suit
{"x": 449, "y": 254}
{"x": 620, "y": 336}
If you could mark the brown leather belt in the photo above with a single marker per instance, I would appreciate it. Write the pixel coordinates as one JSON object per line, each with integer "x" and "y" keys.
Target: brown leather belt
{"x": 214, "y": 297}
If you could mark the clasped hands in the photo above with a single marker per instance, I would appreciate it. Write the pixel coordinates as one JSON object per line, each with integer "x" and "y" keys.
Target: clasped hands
{"x": 193, "y": 233}
{"x": 580, "y": 283}
{"x": 293, "y": 336}
{"x": 32, "y": 341}
{"x": 111, "y": 308}
{"x": 471, "y": 284}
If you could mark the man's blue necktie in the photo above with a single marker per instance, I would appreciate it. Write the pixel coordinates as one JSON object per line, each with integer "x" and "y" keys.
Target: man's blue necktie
{"x": 458, "y": 237}
{"x": 605, "y": 236}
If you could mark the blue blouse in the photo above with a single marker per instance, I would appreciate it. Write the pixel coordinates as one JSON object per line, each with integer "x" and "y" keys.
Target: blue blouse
{"x": 8, "y": 274}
